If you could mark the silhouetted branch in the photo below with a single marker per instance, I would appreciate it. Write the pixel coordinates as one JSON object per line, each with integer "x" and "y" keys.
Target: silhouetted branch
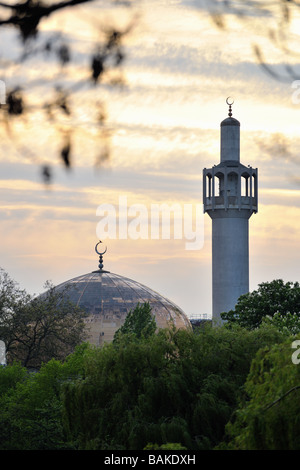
{"x": 26, "y": 16}
{"x": 61, "y": 108}
{"x": 281, "y": 36}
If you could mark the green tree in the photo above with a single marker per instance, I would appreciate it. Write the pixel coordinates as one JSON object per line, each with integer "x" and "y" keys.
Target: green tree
{"x": 10, "y": 376}
{"x": 268, "y": 417}
{"x": 288, "y": 323}
{"x": 35, "y": 330}
{"x": 172, "y": 387}
{"x": 139, "y": 322}
{"x": 168, "y": 446}
{"x": 31, "y": 406}
{"x": 266, "y": 301}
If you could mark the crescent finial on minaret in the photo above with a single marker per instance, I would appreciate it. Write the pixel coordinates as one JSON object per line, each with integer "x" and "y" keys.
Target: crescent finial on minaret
{"x": 230, "y": 102}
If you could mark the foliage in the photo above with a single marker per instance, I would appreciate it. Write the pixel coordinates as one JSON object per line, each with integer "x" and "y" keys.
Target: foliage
{"x": 168, "y": 446}
{"x": 10, "y": 376}
{"x": 30, "y": 404}
{"x": 173, "y": 387}
{"x": 269, "y": 416}
{"x": 35, "y": 330}
{"x": 266, "y": 301}
{"x": 139, "y": 322}
{"x": 288, "y": 323}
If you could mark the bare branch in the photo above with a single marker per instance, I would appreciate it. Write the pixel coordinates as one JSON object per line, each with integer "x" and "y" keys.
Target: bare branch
{"x": 27, "y": 16}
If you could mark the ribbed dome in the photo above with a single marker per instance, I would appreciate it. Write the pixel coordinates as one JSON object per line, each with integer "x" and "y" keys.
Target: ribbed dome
{"x": 108, "y": 298}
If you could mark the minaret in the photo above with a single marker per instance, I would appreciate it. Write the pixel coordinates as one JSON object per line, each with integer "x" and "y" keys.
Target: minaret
{"x": 230, "y": 204}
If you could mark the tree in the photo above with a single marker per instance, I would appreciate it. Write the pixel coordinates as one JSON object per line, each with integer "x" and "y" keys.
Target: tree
{"x": 172, "y": 390}
{"x": 268, "y": 417}
{"x": 35, "y": 330}
{"x": 172, "y": 387}
{"x": 30, "y": 403}
{"x": 288, "y": 323}
{"x": 266, "y": 301}
{"x": 139, "y": 323}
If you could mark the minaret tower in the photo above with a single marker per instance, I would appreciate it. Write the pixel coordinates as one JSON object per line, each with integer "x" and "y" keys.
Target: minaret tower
{"x": 229, "y": 198}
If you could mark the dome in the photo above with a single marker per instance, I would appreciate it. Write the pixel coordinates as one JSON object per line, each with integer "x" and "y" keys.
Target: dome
{"x": 108, "y": 298}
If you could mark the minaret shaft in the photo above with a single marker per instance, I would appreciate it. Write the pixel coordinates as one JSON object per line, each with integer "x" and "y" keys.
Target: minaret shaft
{"x": 230, "y": 262}
{"x": 230, "y": 144}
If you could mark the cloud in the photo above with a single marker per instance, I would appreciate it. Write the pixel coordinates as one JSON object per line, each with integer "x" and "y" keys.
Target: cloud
{"x": 280, "y": 146}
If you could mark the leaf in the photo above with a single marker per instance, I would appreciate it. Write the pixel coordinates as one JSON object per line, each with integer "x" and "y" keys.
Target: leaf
{"x": 97, "y": 66}
{"x": 46, "y": 174}
{"x": 15, "y": 102}
{"x": 63, "y": 53}
{"x": 65, "y": 154}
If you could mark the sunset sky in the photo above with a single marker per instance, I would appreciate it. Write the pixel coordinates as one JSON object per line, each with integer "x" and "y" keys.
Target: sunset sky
{"x": 163, "y": 128}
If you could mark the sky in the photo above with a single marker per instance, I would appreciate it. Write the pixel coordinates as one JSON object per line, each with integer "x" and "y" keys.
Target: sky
{"x": 162, "y": 129}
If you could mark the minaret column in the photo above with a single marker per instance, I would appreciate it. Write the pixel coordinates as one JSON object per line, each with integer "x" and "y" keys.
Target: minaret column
{"x": 230, "y": 211}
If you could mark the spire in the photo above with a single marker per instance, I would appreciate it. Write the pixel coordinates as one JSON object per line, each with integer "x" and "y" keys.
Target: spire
{"x": 230, "y": 136}
{"x": 100, "y": 258}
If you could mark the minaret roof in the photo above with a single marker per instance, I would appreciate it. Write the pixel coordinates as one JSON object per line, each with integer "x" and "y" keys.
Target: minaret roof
{"x": 230, "y": 121}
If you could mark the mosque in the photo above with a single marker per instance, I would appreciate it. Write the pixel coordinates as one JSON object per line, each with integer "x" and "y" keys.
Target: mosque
{"x": 109, "y": 297}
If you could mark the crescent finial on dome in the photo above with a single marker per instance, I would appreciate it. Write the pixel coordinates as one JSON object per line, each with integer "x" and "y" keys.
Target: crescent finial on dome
{"x": 98, "y": 251}
{"x": 100, "y": 256}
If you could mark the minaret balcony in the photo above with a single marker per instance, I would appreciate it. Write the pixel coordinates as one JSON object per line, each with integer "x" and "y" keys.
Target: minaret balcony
{"x": 227, "y": 186}
{"x": 231, "y": 202}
